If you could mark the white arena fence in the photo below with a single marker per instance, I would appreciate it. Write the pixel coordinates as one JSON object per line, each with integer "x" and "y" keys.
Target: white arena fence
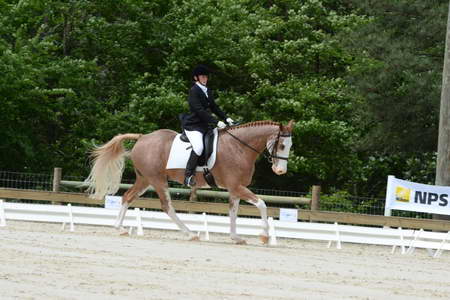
{"x": 137, "y": 220}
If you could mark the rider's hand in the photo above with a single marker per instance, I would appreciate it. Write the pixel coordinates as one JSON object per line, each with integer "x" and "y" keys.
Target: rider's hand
{"x": 230, "y": 121}
{"x": 221, "y": 125}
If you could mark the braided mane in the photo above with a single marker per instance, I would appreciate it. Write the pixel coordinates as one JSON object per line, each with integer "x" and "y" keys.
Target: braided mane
{"x": 255, "y": 124}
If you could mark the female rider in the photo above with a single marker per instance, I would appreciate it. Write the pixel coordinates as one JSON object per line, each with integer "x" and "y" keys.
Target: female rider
{"x": 196, "y": 124}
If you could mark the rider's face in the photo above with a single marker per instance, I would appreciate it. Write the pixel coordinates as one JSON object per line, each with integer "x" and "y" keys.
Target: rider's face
{"x": 203, "y": 79}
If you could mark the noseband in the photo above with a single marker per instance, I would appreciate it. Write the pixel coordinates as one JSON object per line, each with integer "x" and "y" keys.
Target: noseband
{"x": 273, "y": 154}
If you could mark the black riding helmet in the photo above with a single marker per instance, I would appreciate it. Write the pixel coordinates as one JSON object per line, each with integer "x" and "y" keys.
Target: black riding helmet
{"x": 201, "y": 70}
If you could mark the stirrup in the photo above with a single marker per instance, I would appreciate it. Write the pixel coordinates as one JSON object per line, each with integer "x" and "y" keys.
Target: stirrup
{"x": 189, "y": 180}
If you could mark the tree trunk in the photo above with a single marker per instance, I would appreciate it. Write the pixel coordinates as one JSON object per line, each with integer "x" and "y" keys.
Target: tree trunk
{"x": 443, "y": 158}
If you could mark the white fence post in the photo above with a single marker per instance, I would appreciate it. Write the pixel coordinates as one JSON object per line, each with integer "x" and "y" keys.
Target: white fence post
{"x": 2, "y": 214}
{"x": 205, "y": 226}
{"x": 439, "y": 250}
{"x": 272, "y": 232}
{"x": 72, "y": 228}
{"x": 139, "y": 229}
{"x": 387, "y": 211}
{"x": 338, "y": 237}
{"x": 70, "y": 221}
{"x": 412, "y": 244}
{"x": 402, "y": 242}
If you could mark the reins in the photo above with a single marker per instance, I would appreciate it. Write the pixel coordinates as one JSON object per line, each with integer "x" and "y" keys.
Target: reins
{"x": 270, "y": 156}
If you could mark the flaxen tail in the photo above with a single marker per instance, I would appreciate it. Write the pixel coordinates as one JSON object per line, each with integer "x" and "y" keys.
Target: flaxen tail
{"x": 107, "y": 168}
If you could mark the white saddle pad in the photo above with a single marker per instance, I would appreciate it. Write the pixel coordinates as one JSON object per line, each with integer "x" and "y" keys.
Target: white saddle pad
{"x": 180, "y": 152}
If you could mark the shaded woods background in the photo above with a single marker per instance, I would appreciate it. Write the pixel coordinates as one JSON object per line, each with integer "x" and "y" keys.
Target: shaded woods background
{"x": 361, "y": 78}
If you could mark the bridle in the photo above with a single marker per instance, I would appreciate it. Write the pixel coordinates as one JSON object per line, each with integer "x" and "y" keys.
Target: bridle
{"x": 275, "y": 147}
{"x": 271, "y": 156}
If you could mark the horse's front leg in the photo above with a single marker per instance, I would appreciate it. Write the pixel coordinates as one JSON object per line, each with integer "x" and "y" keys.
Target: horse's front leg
{"x": 244, "y": 193}
{"x": 234, "y": 208}
{"x": 261, "y": 205}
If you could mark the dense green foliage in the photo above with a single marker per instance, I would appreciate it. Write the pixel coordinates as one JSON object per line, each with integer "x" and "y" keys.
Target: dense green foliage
{"x": 361, "y": 79}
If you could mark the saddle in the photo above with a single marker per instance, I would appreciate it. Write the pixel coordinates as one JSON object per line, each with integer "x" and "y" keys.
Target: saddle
{"x": 181, "y": 149}
{"x": 208, "y": 150}
{"x": 208, "y": 143}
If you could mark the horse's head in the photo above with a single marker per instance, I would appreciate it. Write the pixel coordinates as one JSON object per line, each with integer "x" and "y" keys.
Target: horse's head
{"x": 279, "y": 145}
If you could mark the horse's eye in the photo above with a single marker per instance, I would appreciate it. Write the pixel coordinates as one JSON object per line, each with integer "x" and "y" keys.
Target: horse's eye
{"x": 282, "y": 147}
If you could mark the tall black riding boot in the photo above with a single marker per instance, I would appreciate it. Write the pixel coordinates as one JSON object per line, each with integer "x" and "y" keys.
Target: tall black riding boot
{"x": 189, "y": 179}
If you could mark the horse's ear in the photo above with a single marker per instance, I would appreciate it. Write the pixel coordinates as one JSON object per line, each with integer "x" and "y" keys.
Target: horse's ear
{"x": 289, "y": 126}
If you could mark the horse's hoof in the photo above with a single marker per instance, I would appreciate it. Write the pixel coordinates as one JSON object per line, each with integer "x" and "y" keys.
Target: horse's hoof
{"x": 238, "y": 240}
{"x": 122, "y": 230}
{"x": 264, "y": 239}
{"x": 195, "y": 238}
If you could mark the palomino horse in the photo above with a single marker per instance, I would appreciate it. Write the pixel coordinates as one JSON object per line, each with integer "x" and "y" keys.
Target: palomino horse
{"x": 238, "y": 149}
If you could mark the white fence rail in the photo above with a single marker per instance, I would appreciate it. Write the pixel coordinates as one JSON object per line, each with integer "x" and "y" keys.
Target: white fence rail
{"x": 407, "y": 240}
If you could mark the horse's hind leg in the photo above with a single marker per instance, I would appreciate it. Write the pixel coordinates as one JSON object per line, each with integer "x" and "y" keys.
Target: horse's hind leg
{"x": 121, "y": 215}
{"x": 138, "y": 188}
{"x": 166, "y": 205}
{"x": 244, "y": 193}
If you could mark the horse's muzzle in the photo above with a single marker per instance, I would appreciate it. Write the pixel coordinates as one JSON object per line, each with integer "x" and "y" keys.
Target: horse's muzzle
{"x": 278, "y": 170}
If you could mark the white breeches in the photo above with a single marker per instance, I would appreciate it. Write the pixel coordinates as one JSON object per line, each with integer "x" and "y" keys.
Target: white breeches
{"x": 196, "y": 139}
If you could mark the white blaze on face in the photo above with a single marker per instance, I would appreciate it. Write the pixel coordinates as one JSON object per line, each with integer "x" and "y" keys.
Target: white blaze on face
{"x": 284, "y": 146}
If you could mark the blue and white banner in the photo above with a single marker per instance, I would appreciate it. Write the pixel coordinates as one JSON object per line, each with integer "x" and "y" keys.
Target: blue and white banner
{"x": 411, "y": 196}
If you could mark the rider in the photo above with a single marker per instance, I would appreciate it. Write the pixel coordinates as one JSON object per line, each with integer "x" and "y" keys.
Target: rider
{"x": 196, "y": 124}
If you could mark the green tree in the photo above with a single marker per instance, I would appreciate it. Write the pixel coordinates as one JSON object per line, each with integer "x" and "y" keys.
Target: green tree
{"x": 399, "y": 76}
{"x": 69, "y": 69}
{"x": 278, "y": 61}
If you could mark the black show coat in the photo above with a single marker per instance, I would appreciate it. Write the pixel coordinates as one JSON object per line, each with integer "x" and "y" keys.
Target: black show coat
{"x": 200, "y": 118}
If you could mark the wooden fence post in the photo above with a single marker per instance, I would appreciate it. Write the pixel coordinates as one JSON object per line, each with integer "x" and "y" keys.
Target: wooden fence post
{"x": 193, "y": 196}
{"x": 56, "y": 181}
{"x": 315, "y": 199}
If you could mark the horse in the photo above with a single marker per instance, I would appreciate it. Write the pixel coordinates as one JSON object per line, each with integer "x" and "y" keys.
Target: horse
{"x": 238, "y": 148}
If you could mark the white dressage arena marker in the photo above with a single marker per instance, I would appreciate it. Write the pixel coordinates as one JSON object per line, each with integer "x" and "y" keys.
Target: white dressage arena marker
{"x": 113, "y": 202}
{"x": 2, "y": 214}
{"x": 288, "y": 215}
